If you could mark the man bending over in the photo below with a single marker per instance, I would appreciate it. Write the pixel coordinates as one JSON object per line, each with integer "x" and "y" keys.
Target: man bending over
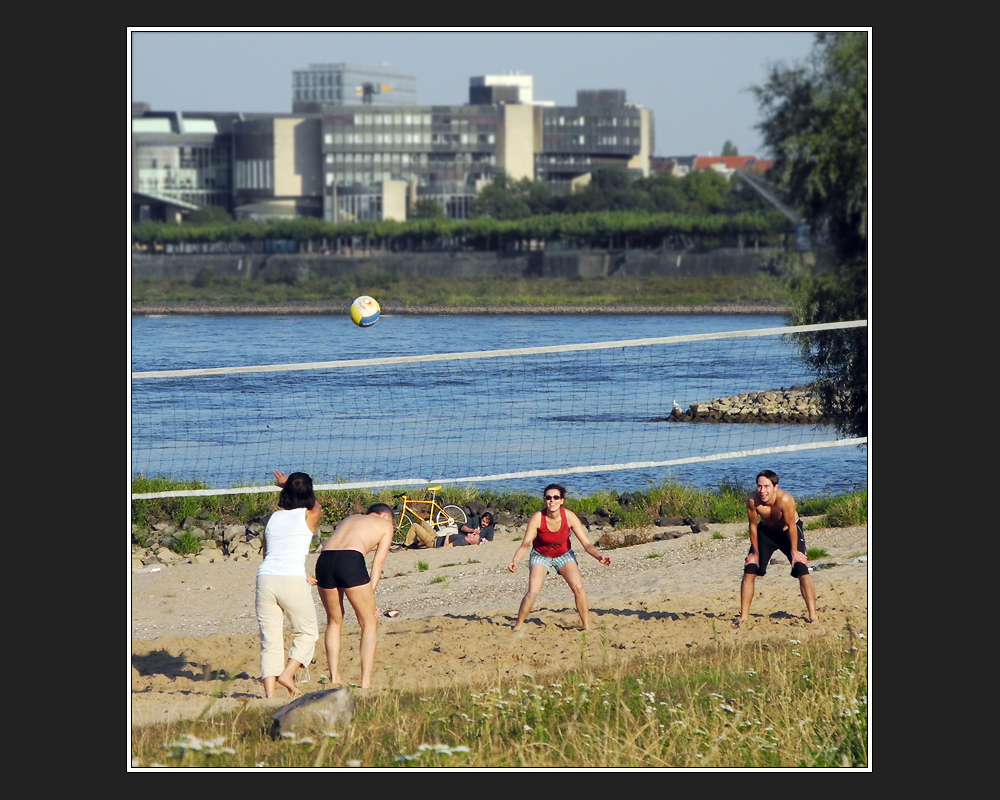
{"x": 341, "y": 571}
{"x": 774, "y": 525}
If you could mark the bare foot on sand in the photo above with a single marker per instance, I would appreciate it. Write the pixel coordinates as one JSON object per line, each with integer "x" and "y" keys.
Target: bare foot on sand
{"x": 289, "y": 684}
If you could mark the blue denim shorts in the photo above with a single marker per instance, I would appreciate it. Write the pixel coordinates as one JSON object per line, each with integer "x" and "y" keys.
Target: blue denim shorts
{"x": 556, "y": 563}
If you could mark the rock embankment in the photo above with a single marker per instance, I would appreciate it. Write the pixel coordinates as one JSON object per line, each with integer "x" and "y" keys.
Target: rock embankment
{"x": 797, "y": 405}
{"x": 198, "y": 541}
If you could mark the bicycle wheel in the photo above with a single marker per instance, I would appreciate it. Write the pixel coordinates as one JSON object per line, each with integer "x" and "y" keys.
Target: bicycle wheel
{"x": 403, "y": 523}
{"x": 451, "y": 515}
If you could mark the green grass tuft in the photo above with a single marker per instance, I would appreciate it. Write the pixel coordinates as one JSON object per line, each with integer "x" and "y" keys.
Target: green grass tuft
{"x": 187, "y": 543}
{"x": 848, "y": 510}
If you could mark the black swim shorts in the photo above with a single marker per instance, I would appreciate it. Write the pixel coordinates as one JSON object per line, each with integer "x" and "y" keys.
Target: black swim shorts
{"x": 341, "y": 569}
{"x": 770, "y": 540}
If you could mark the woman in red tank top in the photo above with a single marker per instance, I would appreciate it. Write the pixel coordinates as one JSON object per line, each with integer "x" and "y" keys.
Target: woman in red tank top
{"x": 552, "y": 543}
{"x": 547, "y": 539}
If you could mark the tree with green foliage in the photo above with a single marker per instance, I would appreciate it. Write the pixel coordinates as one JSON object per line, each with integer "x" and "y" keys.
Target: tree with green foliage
{"x": 427, "y": 209}
{"x": 705, "y": 192}
{"x": 610, "y": 189}
{"x": 663, "y": 191}
{"x": 504, "y": 198}
{"x": 816, "y": 124}
{"x": 209, "y": 215}
{"x": 730, "y": 149}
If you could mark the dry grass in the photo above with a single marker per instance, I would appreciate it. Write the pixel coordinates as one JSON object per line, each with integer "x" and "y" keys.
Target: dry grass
{"x": 773, "y": 704}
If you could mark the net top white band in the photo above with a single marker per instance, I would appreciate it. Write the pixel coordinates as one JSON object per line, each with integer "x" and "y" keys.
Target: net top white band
{"x": 562, "y": 348}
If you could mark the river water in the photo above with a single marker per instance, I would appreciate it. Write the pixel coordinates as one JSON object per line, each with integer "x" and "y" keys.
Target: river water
{"x": 471, "y": 418}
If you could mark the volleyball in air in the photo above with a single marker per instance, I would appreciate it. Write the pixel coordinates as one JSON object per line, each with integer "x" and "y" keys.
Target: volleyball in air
{"x": 365, "y": 311}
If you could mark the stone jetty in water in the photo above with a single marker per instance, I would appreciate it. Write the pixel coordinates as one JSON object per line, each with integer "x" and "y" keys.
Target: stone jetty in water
{"x": 797, "y": 405}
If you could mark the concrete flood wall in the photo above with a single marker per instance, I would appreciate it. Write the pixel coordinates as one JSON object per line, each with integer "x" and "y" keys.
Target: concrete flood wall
{"x": 542, "y": 264}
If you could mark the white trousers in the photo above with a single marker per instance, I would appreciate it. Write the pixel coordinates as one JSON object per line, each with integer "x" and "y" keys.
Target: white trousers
{"x": 278, "y": 595}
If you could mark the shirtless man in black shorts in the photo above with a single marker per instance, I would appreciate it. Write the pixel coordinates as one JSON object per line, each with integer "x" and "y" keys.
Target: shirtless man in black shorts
{"x": 774, "y": 525}
{"x": 341, "y": 571}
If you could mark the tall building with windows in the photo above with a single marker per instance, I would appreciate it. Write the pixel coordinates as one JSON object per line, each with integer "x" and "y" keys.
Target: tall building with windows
{"x": 377, "y": 162}
{"x": 277, "y": 169}
{"x": 350, "y": 160}
{"x": 602, "y": 130}
{"x": 374, "y": 158}
{"x": 349, "y": 84}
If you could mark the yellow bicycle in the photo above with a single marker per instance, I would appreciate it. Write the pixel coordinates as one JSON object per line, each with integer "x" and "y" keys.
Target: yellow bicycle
{"x": 443, "y": 516}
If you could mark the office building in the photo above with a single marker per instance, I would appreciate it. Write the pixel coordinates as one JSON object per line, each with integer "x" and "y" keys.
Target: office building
{"x": 181, "y": 161}
{"x": 349, "y": 160}
{"x": 378, "y": 162}
{"x": 277, "y": 167}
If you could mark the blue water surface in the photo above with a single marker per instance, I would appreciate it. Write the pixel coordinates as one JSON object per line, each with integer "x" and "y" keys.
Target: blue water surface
{"x": 468, "y": 418}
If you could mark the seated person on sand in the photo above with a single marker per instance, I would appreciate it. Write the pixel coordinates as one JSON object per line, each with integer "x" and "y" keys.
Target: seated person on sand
{"x": 422, "y": 532}
{"x": 482, "y": 525}
{"x": 774, "y": 525}
{"x": 457, "y": 539}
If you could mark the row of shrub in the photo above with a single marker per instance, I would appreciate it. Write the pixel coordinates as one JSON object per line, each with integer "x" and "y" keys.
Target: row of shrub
{"x": 604, "y": 229}
{"x": 724, "y": 503}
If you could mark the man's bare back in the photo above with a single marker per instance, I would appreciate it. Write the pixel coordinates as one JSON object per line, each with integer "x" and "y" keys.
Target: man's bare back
{"x": 361, "y": 532}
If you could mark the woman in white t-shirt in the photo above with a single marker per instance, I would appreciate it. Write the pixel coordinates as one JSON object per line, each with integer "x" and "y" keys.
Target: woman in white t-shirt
{"x": 283, "y": 585}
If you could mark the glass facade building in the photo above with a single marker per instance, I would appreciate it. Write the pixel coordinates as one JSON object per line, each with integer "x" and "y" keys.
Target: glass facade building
{"x": 438, "y": 152}
{"x": 184, "y": 158}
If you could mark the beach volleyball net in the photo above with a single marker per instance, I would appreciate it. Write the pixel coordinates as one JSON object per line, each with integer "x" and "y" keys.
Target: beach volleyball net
{"x": 472, "y": 418}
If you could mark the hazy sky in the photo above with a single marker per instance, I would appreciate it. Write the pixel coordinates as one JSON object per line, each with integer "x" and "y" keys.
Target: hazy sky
{"x": 696, "y": 83}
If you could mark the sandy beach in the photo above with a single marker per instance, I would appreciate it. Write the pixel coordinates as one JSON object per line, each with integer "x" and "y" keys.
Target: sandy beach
{"x": 193, "y": 624}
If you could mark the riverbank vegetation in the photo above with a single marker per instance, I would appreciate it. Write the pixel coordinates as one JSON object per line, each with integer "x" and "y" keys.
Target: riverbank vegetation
{"x": 602, "y": 230}
{"x": 616, "y": 210}
{"x": 723, "y": 503}
{"x": 780, "y": 703}
{"x": 397, "y": 293}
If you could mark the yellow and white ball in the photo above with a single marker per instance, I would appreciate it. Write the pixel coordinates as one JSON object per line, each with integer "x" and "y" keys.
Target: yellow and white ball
{"x": 365, "y": 311}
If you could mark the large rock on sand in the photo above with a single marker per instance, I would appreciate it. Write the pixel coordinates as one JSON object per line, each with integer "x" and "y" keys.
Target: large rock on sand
{"x": 316, "y": 712}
